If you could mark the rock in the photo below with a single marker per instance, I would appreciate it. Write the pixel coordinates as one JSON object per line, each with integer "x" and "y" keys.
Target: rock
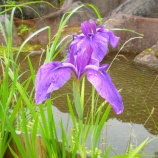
{"x": 145, "y": 8}
{"x": 104, "y": 6}
{"x": 148, "y": 57}
{"x": 146, "y": 26}
{"x": 139, "y": 16}
{"x": 36, "y": 10}
{"x": 16, "y": 39}
{"x": 82, "y": 14}
{"x": 43, "y": 8}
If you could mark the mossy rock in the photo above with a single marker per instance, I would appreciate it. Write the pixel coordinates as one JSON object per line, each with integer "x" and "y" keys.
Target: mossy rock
{"x": 156, "y": 53}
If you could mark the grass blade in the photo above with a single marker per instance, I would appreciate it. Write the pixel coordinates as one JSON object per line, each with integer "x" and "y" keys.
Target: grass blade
{"x": 138, "y": 149}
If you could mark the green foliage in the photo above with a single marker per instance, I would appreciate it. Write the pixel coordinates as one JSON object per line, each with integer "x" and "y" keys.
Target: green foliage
{"x": 10, "y": 2}
{"x": 23, "y": 29}
{"x": 134, "y": 153}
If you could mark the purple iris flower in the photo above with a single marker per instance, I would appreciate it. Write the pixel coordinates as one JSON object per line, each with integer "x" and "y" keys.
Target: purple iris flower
{"x": 97, "y": 38}
{"x": 85, "y": 53}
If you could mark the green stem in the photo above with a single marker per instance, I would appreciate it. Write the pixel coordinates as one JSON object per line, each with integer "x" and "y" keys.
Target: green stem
{"x": 77, "y": 98}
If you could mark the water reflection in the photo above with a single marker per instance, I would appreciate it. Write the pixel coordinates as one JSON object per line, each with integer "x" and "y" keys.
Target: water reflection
{"x": 116, "y": 133}
{"x": 120, "y": 135}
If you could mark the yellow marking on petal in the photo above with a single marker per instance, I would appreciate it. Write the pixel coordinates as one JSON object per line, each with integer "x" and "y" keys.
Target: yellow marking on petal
{"x": 100, "y": 72}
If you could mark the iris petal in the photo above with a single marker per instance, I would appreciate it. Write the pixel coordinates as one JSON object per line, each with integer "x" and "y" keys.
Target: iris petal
{"x": 100, "y": 47}
{"x": 104, "y": 86}
{"x": 51, "y": 76}
{"x": 113, "y": 39}
{"x": 109, "y": 35}
{"x": 86, "y": 28}
{"x": 83, "y": 59}
{"x": 80, "y": 55}
{"x": 98, "y": 38}
{"x": 93, "y": 26}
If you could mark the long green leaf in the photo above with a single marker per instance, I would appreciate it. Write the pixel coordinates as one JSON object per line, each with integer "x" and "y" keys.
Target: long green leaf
{"x": 101, "y": 124}
{"x": 23, "y": 94}
{"x": 138, "y": 149}
{"x": 13, "y": 153}
{"x": 106, "y": 154}
{"x": 71, "y": 112}
{"x": 34, "y": 135}
{"x": 15, "y": 137}
{"x": 26, "y": 133}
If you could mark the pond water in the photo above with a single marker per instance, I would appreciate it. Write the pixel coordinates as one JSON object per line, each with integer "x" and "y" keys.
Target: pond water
{"x": 139, "y": 89}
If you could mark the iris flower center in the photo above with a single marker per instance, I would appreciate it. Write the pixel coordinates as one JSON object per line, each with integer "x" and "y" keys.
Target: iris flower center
{"x": 90, "y": 35}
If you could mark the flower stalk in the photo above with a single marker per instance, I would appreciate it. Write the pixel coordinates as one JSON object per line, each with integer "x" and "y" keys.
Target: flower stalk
{"x": 77, "y": 98}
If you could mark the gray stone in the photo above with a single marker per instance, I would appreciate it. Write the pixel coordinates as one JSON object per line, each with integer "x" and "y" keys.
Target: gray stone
{"x": 138, "y": 16}
{"x": 37, "y": 10}
{"x": 148, "y": 57}
{"x": 143, "y": 8}
{"x": 104, "y": 6}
